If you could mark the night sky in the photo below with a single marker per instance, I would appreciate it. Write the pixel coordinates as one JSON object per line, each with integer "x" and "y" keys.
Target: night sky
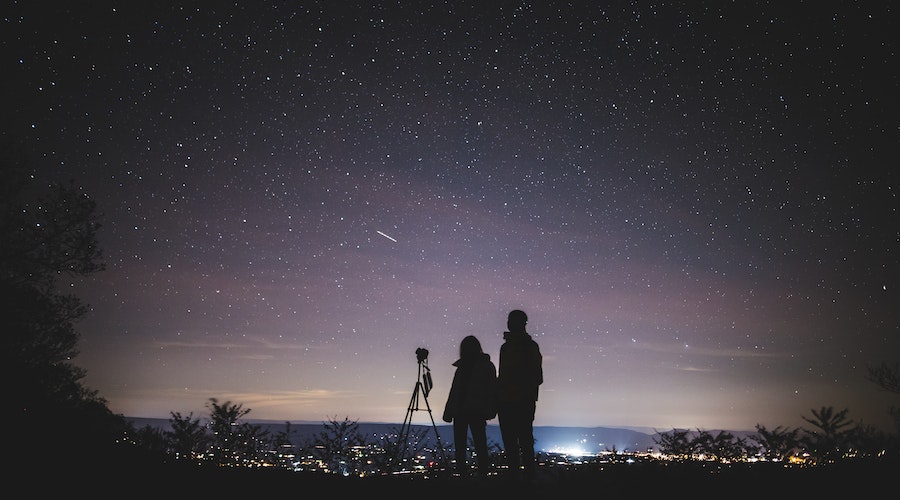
{"x": 696, "y": 203}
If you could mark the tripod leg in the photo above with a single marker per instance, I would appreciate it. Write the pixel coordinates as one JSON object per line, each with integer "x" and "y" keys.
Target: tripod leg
{"x": 436, "y": 434}
{"x": 403, "y": 437}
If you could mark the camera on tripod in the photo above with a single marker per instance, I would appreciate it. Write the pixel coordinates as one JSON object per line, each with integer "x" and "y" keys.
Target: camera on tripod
{"x": 424, "y": 371}
{"x": 423, "y": 387}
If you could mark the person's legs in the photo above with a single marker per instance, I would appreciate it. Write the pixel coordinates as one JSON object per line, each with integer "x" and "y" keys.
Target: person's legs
{"x": 460, "y": 428}
{"x": 479, "y": 437}
{"x": 508, "y": 433}
{"x": 526, "y": 441}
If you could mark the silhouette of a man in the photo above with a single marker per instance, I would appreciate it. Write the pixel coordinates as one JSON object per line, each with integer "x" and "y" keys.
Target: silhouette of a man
{"x": 519, "y": 375}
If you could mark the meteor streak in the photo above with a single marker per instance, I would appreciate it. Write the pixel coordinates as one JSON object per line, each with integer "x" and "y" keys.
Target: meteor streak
{"x": 386, "y": 236}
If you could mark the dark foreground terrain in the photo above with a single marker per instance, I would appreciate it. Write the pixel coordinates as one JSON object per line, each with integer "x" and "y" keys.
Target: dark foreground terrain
{"x": 850, "y": 480}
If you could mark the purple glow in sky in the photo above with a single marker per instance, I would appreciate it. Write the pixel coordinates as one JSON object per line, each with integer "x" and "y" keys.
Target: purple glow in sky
{"x": 695, "y": 203}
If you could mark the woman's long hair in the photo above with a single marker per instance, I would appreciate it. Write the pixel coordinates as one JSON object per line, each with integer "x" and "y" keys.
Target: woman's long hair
{"x": 469, "y": 348}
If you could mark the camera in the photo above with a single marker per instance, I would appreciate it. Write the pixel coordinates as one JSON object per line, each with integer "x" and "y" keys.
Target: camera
{"x": 421, "y": 354}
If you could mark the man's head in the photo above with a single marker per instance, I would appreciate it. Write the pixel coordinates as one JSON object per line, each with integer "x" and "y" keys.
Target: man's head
{"x": 516, "y": 321}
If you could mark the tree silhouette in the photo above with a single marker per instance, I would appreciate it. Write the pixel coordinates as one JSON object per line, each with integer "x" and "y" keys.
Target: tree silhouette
{"x": 887, "y": 376}
{"x": 153, "y": 446}
{"x": 777, "y": 444}
{"x": 188, "y": 438}
{"x": 233, "y": 442}
{"x": 829, "y": 437}
{"x": 335, "y": 446}
{"x": 722, "y": 447}
{"x": 253, "y": 445}
{"x": 284, "y": 448}
{"x": 48, "y": 233}
{"x": 675, "y": 444}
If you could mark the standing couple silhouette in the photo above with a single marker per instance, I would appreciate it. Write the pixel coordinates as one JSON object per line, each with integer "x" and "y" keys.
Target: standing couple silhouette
{"x": 480, "y": 392}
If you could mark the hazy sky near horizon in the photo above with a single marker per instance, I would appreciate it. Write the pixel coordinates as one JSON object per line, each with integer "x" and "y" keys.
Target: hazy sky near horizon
{"x": 695, "y": 202}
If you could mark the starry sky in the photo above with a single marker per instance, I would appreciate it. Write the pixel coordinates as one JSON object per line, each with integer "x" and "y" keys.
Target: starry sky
{"x": 695, "y": 202}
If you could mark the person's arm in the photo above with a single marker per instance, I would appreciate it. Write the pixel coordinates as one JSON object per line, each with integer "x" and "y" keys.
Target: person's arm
{"x": 451, "y": 407}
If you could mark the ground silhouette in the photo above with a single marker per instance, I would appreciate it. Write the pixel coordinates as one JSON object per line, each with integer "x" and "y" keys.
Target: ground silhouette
{"x": 856, "y": 478}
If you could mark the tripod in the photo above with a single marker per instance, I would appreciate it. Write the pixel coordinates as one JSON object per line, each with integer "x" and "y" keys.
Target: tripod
{"x": 423, "y": 387}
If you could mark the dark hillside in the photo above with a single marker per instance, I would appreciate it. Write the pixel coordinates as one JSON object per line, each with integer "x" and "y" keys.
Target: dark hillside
{"x": 859, "y": 479}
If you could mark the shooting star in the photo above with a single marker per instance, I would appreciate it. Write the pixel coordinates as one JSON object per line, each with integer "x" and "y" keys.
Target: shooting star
{"x": 386, "y": 236}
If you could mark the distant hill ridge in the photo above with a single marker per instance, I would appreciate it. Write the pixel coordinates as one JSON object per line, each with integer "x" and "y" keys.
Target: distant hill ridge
{"x": 547, "y": 438}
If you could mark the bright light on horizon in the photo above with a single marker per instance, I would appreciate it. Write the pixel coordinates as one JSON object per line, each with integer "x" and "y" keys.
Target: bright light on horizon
{"x": 572, "y": 451}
